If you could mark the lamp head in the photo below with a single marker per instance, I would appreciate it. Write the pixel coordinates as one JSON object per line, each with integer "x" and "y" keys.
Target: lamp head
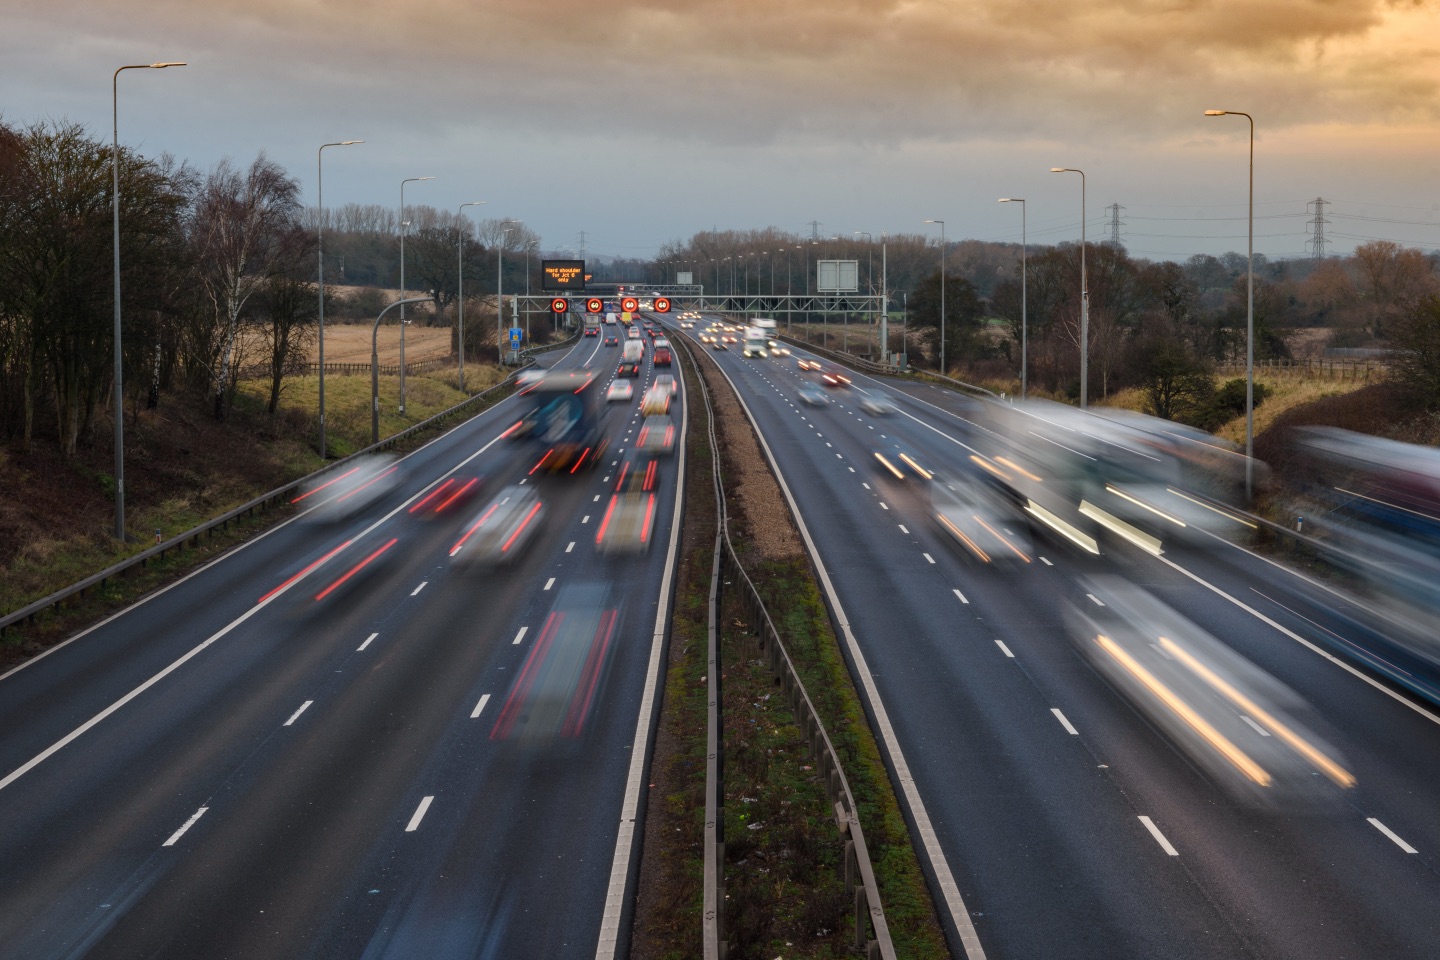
{"x": 347, "y": 143}
{"x": 1215, "y": 113}
{"x": 1059, "y": 170}
{"x": 168, "y": 63}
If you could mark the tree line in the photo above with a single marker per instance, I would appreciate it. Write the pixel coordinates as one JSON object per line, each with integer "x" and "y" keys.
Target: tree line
{"x": 217, "y": 273}
{"x": 1162, "y": 326}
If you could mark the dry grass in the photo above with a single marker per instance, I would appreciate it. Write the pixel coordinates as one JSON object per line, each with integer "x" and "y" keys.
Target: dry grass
{"x": 350, "y": 343}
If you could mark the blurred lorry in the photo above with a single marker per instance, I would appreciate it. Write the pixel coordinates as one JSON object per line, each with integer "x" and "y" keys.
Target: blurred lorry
{"x": 566, "y": 420}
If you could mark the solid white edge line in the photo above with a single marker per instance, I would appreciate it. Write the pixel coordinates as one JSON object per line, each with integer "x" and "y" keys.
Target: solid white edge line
{"x": 367, "y": 642}
{"x": 185, "y": 826}
{"x": 615, "y": 900}
{"x": 1004, "y": 649}
{"x": 1064, "y": 722}
{"x": 296, "y": 715}
{"x": 479, "y": 706}
{"x": 1298, "y": 639}
{"x": 944, "y": 878}
{"x": 519, "y": 636}
{"x": 419, "y": 814}
{"x": 64, "y": 741}
{"x": 1159, "y": 837}
{"x": 1391, "y": 834}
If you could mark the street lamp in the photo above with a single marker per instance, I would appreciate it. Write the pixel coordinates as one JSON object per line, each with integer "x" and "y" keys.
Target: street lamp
{"x": 460, "y": 284}
{"x": 403, "y": 224}
{"x": 942, "y": 293}
{"x": 1249, "y": 311}
{"x": 500, "y": 288}
{"x": 870, "y": 270}
{"x": 375, "y": 363}
{"x": 1084, "y": 294}
{"x": 320, "y": 252}
{"x": 119, "y": 372}
{"x": 1024, "y": 313}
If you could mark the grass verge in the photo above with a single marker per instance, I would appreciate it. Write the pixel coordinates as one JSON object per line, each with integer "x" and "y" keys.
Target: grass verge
{"x": 183, "y": 468}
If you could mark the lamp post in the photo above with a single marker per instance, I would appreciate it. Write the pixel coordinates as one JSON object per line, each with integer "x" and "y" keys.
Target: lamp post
{"x": 942, "y": 293}
{"x": 119, "y": 371}
{"x": 1084, "y": 295}
{"x": 375, "y": 364}
{"x": 1024, "y": 306}
{"x": 320, "y": 253}
{"x": 1249, "y": 311}
{"x": 869, "y": 270}
{"x": 403, "y": 224}
{"x": 460, "y": 284}
{"x": 500, "y": 289}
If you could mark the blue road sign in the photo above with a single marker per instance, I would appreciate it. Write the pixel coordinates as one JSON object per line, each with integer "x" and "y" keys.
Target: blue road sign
{"x": 516, "y": 335}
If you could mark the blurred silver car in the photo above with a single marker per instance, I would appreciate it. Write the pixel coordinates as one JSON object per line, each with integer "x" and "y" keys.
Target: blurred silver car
{"x": 813, "y": 395}
{"x": 500, "y": 532}
{"x": 657, "y": 435}
{"x": 349, "y": 488}
{"x": 876, "y": 404}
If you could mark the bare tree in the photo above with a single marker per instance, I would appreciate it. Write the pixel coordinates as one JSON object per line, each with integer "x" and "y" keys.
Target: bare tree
{"x": 238, "y": 220}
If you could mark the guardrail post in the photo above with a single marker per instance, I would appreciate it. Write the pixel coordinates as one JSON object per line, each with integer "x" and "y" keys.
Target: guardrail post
{"x": 860, "y": 912}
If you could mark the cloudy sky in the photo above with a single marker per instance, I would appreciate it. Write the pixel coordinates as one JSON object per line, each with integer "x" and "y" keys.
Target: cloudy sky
{"x": 641, "y": 123}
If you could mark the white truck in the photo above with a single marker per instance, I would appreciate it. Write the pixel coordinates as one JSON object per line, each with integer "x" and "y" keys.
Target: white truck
{"x": 759, "y": 337}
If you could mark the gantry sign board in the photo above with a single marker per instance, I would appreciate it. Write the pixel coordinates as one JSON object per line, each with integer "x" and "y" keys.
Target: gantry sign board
{"x": 683, "y": 278}
{"x": 562, "y": 275}
{"x": 837, "y": 276}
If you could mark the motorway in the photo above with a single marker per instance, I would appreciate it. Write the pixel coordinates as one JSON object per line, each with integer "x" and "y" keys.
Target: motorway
{"x": 331, "y": 742}
{"x": 1053, "y": 817}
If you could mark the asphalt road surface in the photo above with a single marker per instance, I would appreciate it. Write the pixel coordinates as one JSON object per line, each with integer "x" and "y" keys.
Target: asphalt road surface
{"x": 336, "y": 742}
{"x": 1055, "y": 819}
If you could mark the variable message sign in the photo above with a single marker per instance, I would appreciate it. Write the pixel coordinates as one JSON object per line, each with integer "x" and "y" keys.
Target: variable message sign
{"x": 562, "y": 275}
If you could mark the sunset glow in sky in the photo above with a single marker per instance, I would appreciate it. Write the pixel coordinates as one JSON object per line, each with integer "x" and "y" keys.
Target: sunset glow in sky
{"x": 642, "y": 123}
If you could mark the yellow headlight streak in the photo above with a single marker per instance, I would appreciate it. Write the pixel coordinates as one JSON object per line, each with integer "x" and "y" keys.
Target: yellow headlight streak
{"x": 974, "y": 547}
{"x": 916, "y": 467}
{"x": 890, "y": 466}
{"x": 1226, "y": 514}
{"x": 1185, "y": 712}
{"x": 1141, "y": 503}
{"x": 1260, "y": 715}
{"x": 1001, "y": 537}
{"x": 987, "y": 465}
{"x": 1018, "y": 469}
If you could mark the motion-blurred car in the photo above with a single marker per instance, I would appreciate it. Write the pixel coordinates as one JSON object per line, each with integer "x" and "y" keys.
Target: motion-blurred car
{"x": 657, "y": 435}
{"x": 561, "y": 684}
{"x": 667, "y": 381}
{"x": 719, "y": 345}
{"x": 662, "y": 356}
{"x": 628, "y": 368}
{"x": 350, "y": 488}
{"x": 974, "y": 514}
{"x": 805, "y": 363}
{"x": 876, "y": 404}
{"x": 1253, "y": 735}
{"x": 833, "y": 376}
{"x": 500, "y": 532}
{"x": 630, "y": 516}
{"x": 619, "y": 390}
{"x": 813, "y": 395}
{"x": 612, "y": 341}
{"x": 656, "y": 401}
{"x": 778, "y": 349}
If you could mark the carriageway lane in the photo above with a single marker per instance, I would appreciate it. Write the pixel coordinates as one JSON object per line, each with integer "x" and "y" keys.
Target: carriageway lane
{"x": 1225, "y": 880}
{"x": 307, "y": 822}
